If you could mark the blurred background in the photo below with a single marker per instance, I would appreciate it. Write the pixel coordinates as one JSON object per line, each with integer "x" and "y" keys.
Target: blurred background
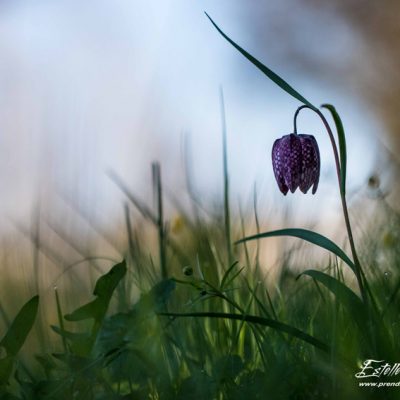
{"x": 97, "y": 86}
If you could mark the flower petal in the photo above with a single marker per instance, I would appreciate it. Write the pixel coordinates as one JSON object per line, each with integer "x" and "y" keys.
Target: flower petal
{"x": 310, "y": 163}
{"x": 292, "y": 161}
{"x": 278, "y": 167}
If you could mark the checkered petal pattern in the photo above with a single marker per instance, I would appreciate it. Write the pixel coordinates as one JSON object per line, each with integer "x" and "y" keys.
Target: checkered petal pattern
{"x": 296, "y": 163}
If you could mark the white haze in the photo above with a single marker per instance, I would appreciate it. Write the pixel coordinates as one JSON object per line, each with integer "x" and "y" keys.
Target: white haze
{"x": 86, "y": 86}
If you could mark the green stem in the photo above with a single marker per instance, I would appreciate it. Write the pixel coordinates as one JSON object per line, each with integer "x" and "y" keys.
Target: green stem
{"x": 358, "y": 269}
{"x": 226, "y": 182}
{"x": 156, "y": 170}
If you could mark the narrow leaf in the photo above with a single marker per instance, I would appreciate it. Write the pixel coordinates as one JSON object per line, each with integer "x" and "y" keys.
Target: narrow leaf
{"x": 234, "y": 276}
{"x": 307, "y": 235}
{"x": 95, "y": 309}
{"x": 72, "y": 336}
{"x": 279, "y": 326}
{"x": 342, "y": 145}
{"x": 269, "y": 73}
{"x": 350, "y": 301}
{"x": 20, "y": 327}
{"x": 227, "y": 214}
{"x": 228, "y": 271}
{"x": 6, "y": 368}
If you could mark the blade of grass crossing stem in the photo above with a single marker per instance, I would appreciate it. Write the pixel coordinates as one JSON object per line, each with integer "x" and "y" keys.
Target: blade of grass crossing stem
{"x": 225, "y": 277}
{"x": 240, "y": 337}
{"x": 262, "y": 307}
{"x": 234, "y": 276}
{"x": 268, "y": 72}
{"x": 308, "y": 236}
{"x": 156, "y": 172}
{"x": 226, "y": 180}
{"x": 342, "y": 145}
{"x": 264, "y": 310}
{"x": 279, "y": 326}
{"x": 260, "y": 304}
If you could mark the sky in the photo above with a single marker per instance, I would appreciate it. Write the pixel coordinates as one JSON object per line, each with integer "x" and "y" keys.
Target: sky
{"x": 88, "y": 87}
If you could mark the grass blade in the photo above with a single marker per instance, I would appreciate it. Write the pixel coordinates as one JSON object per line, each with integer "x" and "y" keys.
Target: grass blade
{"x": 343, "y": 293}
{"x": 271, "y": 323}
{"x": 15, "y": 338}
{"x": 226, "y": 181}
{"x": 20, "y": 327}
{"x": 157, "y": 189}
{"x": 342, "y": 145}
{"x": 225, "y": 277}
{"x": 307, "y": 235}
{"x": 268, "y": 72}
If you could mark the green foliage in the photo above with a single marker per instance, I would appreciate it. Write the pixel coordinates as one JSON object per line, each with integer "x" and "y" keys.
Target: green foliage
{"x": 82, "y": 343}
{"x": 220, "y": 333}
{"x": 307, "y": 235}
{"x": 103, "y": 291}
{"x": 279, "y": 326}
{"x": 344, "y": 295}
{"x": 205, "y": 321}
{"x": 20, "y": 327}
{"x": 14, "y": 339}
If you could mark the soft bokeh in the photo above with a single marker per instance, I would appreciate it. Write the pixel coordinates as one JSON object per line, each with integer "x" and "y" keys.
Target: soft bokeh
{"x": 95, "y": 96}
{"x": 89, "y": 87}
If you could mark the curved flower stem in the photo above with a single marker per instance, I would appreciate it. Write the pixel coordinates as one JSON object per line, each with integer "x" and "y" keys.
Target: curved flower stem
{"x": 358, "y": 270}
{"x": 296, "y": 114}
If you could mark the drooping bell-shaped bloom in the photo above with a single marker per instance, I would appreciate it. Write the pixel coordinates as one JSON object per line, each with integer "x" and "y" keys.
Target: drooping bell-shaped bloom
{"x": 296, "y": 163}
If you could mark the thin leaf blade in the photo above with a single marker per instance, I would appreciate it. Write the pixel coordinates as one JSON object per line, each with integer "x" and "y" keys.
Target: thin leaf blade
{"x": 343, "y": 293}
{"x": 6, "y": 368}
{"x": 20, "y": 327}
{"x": 272, "y": 323}
{"x": 268, "y": 72}
{"x": 307, "y": 235}
{"x": 339, "y": 289}
{"x": 228, "y": 271}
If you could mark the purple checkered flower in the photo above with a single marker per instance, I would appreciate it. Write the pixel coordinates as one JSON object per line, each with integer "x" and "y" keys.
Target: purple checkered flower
{"x": 296, "y": 163}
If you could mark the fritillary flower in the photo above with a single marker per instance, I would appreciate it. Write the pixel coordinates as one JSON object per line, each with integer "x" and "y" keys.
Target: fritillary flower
{"x": 296, "y": 163}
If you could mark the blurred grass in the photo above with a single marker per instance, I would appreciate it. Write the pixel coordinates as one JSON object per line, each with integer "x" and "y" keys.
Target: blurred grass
{"x": 194, "y": 317}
